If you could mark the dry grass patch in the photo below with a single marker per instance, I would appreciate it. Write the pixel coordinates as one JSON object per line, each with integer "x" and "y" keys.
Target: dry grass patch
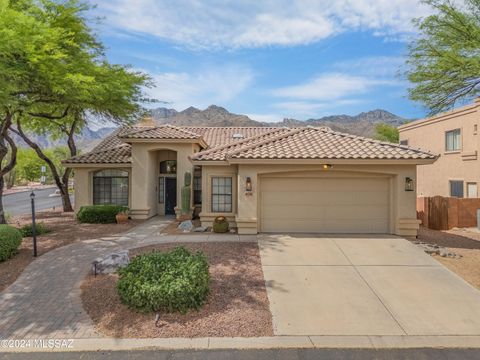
{"x": 237, "y": 304}
{"x": 65, "y": 229}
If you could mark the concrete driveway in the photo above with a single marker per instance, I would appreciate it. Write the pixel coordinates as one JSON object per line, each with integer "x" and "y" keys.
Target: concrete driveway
{"x": 363, "y": 285}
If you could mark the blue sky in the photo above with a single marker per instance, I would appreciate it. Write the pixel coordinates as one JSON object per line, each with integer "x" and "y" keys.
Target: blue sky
{"x": 268, "y": 59}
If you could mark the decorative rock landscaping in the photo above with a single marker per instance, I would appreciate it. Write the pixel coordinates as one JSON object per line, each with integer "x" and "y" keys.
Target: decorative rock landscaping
{"x": 110, "y": 263}
{"x": 436, "y": 250}
{"x": 186, "y": 226}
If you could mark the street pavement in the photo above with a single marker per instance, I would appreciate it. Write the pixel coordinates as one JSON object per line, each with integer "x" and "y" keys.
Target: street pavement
{"x": 19, "y": 203}
{"x": 284, "y": 354}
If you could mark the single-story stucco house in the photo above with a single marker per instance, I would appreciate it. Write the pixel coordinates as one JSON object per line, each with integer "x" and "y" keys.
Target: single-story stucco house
{"x": 306, "y": 179}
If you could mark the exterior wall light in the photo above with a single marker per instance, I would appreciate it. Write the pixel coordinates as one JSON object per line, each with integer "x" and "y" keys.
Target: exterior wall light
{"x": 248, "y": 185}
{"x": 327, "y": 166}
{"x": 409, "y": 185}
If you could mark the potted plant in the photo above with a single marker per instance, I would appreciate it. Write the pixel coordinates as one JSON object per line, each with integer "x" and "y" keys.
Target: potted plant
{"x": 220, "y": 224}
{"x": 122, "y": 217}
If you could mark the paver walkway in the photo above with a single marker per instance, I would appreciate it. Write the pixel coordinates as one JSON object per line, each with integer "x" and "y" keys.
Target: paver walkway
{"x": 44, "y": 302}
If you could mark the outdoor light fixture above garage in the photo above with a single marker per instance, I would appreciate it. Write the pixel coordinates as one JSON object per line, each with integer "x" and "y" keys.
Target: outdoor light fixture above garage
{"x": 327, "y": 166}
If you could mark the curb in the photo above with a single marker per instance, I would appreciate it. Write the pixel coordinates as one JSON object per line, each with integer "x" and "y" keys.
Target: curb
{"x": 213, "y": 343}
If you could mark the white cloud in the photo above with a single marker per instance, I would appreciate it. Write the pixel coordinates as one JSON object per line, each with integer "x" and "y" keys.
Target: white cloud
{"x": 329, "y": 86}
{"x": 372, "y": 66}
{"x": 306, "y": 109}
{"x": 214, "y": 85}
{"x": 253, "y": 23}
{"x": 348, "y": 83}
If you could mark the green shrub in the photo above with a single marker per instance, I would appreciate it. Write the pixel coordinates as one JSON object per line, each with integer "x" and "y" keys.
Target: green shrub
{"x": 27, "y": 230}
{"x": 165, "y": 281}
{"x": 99, "y": 214}
{"x": 10, "y": 240}
{"x": 220, "y": 224}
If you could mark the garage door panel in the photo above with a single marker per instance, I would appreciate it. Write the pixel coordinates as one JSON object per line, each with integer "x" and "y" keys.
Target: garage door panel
{"x": 324, "y": 205}
{"x": 293, "y": 211}
{"x": 289, "y": 198}
{"x": 332, "y": 226}
{"x": 327, "y": 184}
{"x": 363, "y": 212}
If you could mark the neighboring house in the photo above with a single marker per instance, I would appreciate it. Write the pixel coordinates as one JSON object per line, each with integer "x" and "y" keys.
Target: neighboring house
{"x": 262, "y": 179}
{"x": 453, "y": 135}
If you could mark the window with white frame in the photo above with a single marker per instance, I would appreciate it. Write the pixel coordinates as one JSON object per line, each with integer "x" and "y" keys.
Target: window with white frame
{"x": 452, "y": 140}
{"x": 472, "y": 191}
{"x": 221, "y": 194}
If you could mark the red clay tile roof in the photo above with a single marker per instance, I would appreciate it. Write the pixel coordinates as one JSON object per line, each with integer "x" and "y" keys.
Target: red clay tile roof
{"x": 256, "y": 143}
{"x": 221, "y": 152}
{"x": 159, "y": 132}
{"x": 219, "y": 136}
{"x": 116, "y": 155}
{"x": 313, "y": 143}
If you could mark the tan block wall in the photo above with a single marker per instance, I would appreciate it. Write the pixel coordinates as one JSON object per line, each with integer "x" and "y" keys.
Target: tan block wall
{"x": 429, "y": 134}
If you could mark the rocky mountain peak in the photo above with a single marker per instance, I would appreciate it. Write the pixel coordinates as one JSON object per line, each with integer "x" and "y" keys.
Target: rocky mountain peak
{"x": 362, "y": 124}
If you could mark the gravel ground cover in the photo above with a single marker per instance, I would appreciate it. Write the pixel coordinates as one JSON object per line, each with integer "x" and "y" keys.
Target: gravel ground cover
{"x": 461, "y": 242}
{"x": 237, "y": 304}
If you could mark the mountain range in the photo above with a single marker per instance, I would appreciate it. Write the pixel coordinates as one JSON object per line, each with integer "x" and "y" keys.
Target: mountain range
{"x": 362, "y": 124}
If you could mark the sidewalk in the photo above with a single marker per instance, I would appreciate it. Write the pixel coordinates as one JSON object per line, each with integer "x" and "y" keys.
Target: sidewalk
{"x": 275, "y": 342}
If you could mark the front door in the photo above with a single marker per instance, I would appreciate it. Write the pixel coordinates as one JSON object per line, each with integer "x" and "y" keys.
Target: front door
{"x": 170, "y": 195}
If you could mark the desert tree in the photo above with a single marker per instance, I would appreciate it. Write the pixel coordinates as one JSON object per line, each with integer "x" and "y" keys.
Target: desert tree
{"x": 83, "y": 85}
{"x": 27, "y": 57}
{"x": 443, "y": 65}
{"x": 386, "y": 132}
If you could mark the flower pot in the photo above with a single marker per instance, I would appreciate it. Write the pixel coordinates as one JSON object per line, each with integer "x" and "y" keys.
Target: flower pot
{"x": 121, "y": 218}
{"x": 220, "y": 224}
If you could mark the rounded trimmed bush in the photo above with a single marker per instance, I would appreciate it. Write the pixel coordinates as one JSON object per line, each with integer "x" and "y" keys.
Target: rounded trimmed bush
{"x": 220, "y": 224}
{"x": 10, "y": 240}
{"x": 165, "y": 281}
{"x": 99, "y": 214}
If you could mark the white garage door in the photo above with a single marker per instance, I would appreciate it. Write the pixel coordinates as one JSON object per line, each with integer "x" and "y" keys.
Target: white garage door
{"x": 329, "y": 205}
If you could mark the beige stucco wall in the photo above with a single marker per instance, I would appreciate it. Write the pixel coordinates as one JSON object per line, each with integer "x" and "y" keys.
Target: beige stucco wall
{"x": 83, "y": 185}
{"x": 145, "y": 172}
{"x": 143, "y": 177}
{"x": 429, "y": 134}
{"x": 402, "y": 203}
{"x": 206, "y": 215}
